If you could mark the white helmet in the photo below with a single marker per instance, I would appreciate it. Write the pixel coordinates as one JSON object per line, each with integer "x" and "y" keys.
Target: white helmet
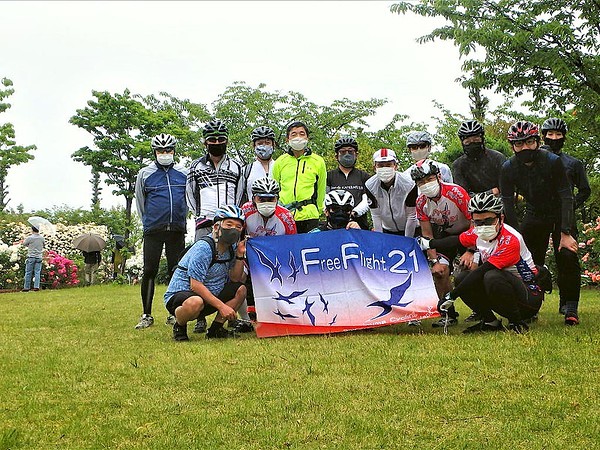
{"x": 163, "y": 141}
{"x": 339, "y": 197}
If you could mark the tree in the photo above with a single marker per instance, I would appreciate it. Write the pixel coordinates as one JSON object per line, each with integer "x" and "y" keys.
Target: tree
{"x": 549, "y": 50}
{"x": 10, "y": 153}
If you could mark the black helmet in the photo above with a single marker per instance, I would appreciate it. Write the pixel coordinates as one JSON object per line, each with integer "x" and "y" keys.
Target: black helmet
{"x": 470, "y": 128}
{"x": 214, "y": 128}
{"x": 262, "y": 133}
{"x": 485, "y": 202}
{"x": 423, "y": 169}
{"x": 345, "y": 142}
{"x": 554, "y": 123}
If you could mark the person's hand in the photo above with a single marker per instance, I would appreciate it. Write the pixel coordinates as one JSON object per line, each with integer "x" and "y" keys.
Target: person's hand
{"x": 567, "y": 241}
{"x": 423, "y": 243}
{"x": 241, "y": 247}
{"x": 466, "y": 260}
{"x": 227, "y": 312}
{"x": 352, "y": 224}
{"x": 446, "y": 303}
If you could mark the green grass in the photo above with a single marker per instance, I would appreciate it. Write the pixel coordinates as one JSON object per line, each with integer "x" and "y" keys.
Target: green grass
{"x": 76, "y": 375}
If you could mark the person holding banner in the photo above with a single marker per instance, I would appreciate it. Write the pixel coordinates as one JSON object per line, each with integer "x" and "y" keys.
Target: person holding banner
{"x": 507, "y": 281}
{"x": 442, "y": 211}
{"x": 392, "y": 196}
{"x": 210, "y": 277}
{"x": 339, "y": 205}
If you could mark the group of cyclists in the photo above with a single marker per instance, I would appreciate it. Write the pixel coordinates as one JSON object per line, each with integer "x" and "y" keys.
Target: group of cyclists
{"x": 464, "y": 218}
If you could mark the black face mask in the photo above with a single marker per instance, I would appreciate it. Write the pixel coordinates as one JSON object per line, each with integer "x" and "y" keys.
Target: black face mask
{"x": 526, "y": 156}
{"x": 555, "y": 145}
{"x": 473, "y": 150}
{"x": 339, "y": 219}
{"x": 217, "y": 149}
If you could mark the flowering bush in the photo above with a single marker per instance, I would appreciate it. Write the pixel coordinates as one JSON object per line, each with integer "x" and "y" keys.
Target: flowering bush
{"x": 590, "y": 247}
{"x": 59, "y": 271}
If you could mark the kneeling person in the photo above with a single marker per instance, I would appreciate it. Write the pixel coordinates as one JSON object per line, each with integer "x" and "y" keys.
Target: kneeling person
{"x": 207, "y": 281}
{"x": 338, "y": 211}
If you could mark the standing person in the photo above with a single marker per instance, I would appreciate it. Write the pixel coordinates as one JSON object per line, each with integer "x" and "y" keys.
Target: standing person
{"x": 442, "y": 210}
{"x": 33, "y": 263}
{"x": 349, "y": 178}
{"x": 263, "y": 142}
{"x": 302, "y": 176}
{"x": 213, "y": 179}
{"x": 554, "y": 132}
{"x": 160, "y": 201}
{"x": 264, "y": 217}
{"x": 92, "y": 261}
{"x": 392, "y": 196}
{"x": 478, "y": 170}
{"x": 210, "y": 277}
{"x": 540, "y": 177}
{"x": 419, "y": 146}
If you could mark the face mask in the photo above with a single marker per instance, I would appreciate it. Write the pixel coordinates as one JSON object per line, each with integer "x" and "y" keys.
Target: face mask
{"x": 431, "y": 189}
{"x": 486, "y": 232}
{"x": 298, "y": 143}
{"x": 339, "y": 219}
{"x": 229, "y": 236}
{"x": 165, "y": 159}
{"x": 217, "y": 149}
{"x": 348, "y": 160}
{"x": 473, "y": 150}
{"x": 418, "y": 155}
{"x": 555, "y": 145}
{"x": 263, "y": 151}
{"x": 525, "y": 156}
{"x": 385, "y": 174}
{"x": 266, "y": 209}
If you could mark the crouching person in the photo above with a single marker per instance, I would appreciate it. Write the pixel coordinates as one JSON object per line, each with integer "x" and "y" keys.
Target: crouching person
{"x": 505, "y": 282}
{"x": 210, "y": 277}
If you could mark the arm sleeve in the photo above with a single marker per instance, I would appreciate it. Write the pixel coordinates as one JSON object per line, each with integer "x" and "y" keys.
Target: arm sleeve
{"x": 411, "y": 221}
{"x": 321, "y": 185}
{"x": 459, "y": 176}
{"x": 582, "y": 184}
{"x": 139, "y": 194}
{"x": 565, "y": 194}
{"x": 363, "y": 206}
{"x": 507, "y": 188}
{"x": 447, "y": 242}
{"x": 190, "y": 190}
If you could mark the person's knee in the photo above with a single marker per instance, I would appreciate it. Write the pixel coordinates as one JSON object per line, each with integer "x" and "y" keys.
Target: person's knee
{"x": 241, "y": 292}
{"x": 150, "y": 272}
{"x": 492, "y": 280}
{"x": 193, "y": 304}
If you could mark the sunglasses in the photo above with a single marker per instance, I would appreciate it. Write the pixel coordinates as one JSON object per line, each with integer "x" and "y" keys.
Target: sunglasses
{"x": 336, "y": 208}
{"x": 418, "y": 146}
{"x": 488, "y": 221}
{"x": 164, "y": 150}
{"x": 216, "y": 139}
{"x": 265, "y": 198}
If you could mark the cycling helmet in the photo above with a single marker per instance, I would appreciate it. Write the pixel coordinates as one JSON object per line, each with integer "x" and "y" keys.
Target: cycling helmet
{"x": 262, "y": 133}
{"x": 416, "y": 137}
{"x": 229, "y": 212}
{"x": 522, "y": 130}
{"x": 214, "y": 128}
{"x": 265, "y": 186}
{"x": 339, "y": 197}
{"x": 470, "y": 128}
{"x": 423, "y": 169}
{"x": 484, "y": 202}
{"x": 163, "y": 141}
{"x": 345, "y": 142}
{"x": 554, "y": 124}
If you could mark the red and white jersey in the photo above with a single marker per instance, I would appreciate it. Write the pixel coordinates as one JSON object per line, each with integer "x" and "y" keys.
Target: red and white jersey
{"x": 507, "y": 252}
{"x": 280, "y": 223}
{"x": 450, "y": 214}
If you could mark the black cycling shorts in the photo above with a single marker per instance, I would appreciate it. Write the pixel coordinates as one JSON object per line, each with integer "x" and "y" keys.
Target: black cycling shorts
{"x": 226, "y": 294}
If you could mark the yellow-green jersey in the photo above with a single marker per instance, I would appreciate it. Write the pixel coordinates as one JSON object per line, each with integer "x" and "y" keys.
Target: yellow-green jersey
{"x": 302, "y": 182}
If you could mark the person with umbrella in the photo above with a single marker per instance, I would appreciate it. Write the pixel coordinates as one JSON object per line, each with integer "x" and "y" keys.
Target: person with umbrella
{"x": 35, "y": 252}
{"x": 90, "y": 245}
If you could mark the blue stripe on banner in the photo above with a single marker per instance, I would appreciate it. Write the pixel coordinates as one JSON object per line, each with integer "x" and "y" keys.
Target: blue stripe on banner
{"x": 338, "y": 280}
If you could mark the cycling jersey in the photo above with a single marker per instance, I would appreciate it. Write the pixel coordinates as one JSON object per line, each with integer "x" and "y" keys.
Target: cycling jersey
{"x": 250, "y": 173}
{"x": 449, "y": 214}
{"x": 302, "y": 182}
{"x": 280, "y": 223}
{"x": 480, "y": 174}
{"x": 160, "y": 197}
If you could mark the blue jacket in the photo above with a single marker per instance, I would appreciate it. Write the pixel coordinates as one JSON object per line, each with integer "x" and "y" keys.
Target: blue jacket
{"x": 160, "y": 197}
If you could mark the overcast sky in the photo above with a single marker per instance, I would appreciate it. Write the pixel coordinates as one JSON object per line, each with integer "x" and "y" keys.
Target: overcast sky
{"x": 56, "y": 53}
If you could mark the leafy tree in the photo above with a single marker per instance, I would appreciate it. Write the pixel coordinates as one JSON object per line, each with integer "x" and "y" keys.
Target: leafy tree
{"x": 10, "y": 153}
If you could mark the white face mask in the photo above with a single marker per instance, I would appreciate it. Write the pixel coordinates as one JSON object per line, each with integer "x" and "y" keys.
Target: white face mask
{"x": 298, "y": 143}
{"x": 266, "y": 209}
{"x": 165, "y": 159}
{"x": 385, "y": 174}
{"x": 431, "y": 189}
{"x": 419, "y": 154}
{"x": 486, "y": 232}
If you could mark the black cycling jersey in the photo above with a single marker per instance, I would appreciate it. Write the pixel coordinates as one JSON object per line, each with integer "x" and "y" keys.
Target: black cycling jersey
{"x": 480, "y": 174}
{"x": 543, "y": 184}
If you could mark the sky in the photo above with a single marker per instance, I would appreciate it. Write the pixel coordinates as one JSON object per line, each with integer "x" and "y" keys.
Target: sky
{"x": 56, "y": 53}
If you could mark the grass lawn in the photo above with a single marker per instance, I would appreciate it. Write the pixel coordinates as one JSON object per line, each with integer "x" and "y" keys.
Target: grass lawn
{"x": 76, "y": 375}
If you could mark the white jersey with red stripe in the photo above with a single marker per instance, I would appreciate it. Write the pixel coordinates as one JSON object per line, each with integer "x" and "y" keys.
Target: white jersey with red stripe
{"x": 450, "y": 213}
{"x": 507, "y": 252}
{"x": 280, "y": 223}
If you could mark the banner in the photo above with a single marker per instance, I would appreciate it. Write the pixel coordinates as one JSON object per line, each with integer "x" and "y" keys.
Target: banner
{"x": 339, "y": 280}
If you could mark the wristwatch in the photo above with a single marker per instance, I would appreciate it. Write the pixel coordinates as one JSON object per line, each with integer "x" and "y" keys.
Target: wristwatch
{"x": 241, "y": 258}
{"x": 433, "y": 261}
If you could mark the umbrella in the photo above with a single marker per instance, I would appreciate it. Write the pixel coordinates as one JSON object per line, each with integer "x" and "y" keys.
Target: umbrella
{"x": 42, "y": 224}
{"x": 89, "y": 242}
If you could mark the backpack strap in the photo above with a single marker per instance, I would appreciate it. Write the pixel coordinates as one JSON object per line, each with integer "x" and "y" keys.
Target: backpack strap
{"x": 213, "y": 247}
